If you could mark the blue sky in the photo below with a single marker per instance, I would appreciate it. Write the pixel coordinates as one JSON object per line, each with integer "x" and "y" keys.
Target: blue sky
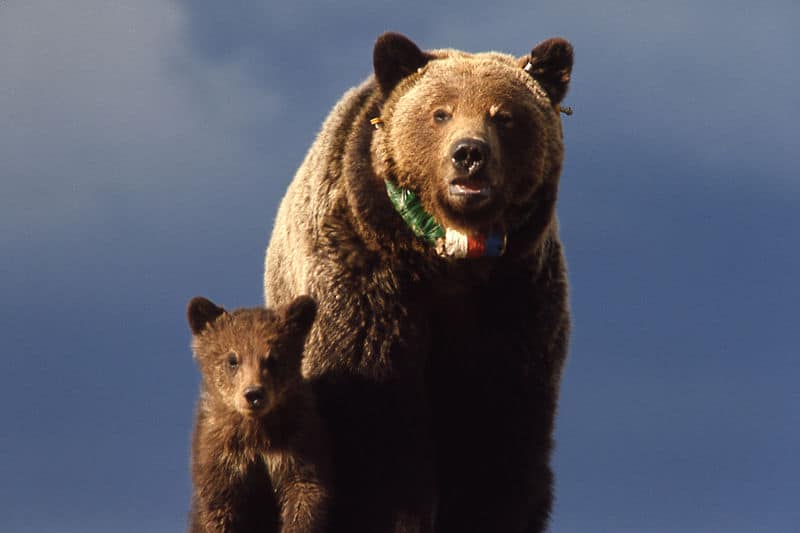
{"x": 145, "y": 147}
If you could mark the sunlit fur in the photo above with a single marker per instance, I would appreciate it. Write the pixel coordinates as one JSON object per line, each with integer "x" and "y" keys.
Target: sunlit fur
{"x": 525, "y": 152}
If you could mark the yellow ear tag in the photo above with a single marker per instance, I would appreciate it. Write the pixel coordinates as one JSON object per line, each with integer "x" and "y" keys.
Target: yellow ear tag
{"x": 376, "y": 122}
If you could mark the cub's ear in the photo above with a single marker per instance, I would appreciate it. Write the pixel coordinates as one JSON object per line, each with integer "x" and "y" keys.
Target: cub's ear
{"x": 300, "y": 314}
{"x": 550, "y": 63}
{"x": 201, "y": 312}
{"x": 394, "y": 57}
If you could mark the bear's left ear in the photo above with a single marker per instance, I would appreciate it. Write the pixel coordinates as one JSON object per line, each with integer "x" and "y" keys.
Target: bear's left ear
{"x": 300, "y": 314}
{"x": 550, "y": 63}
{"x": 200, "y": 312}
{"x": 394, "y": 57}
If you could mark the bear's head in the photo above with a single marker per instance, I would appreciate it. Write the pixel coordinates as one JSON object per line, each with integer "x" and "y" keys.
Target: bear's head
{"x": 477, "y": 137}
{"x": 249, "y": 358}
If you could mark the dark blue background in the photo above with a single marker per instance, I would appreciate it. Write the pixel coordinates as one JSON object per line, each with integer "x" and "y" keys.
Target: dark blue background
{"x": 144, "y": 148}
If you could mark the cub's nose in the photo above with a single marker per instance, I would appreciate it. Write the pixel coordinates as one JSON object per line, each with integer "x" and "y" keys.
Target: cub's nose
{"x": 469, "y": 155}
{"x": 254, "y": 396}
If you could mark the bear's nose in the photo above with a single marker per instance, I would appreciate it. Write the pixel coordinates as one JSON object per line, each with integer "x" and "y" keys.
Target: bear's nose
{"x": 469, "y": 155}
{"x": 254, "y": 396}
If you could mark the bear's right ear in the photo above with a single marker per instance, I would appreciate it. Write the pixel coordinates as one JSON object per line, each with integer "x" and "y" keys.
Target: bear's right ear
{"x": 201, "y": 312}
{"x": 550, "y": 63}
{"x": 394, "y": 57}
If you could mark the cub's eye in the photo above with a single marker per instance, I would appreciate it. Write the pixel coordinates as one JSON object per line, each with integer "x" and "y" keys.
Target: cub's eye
{"x": 233, "y": 362}
{"x": 440, "y": 115}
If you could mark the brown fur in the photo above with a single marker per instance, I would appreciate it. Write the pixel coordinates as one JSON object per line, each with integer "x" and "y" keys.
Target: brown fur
{"x": 438, "y": 378}
{"x": 259, "y": 466}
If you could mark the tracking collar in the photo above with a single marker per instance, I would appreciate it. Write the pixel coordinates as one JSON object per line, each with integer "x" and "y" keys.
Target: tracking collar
{"x": 448, "y": 242}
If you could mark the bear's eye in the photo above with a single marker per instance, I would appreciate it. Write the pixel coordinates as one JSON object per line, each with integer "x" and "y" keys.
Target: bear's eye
{"x": 233, "y": 362}
{"x": 440, "y": 115}
{"x": 504, "y": 119}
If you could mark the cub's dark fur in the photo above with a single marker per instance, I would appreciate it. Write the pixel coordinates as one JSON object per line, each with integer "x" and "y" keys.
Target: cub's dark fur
{"x": 259, "y": 456}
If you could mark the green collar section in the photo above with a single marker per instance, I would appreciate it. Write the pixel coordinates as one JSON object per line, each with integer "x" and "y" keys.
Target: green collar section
{"x": 407, "y": 204}
{"x": 448, "y": 242}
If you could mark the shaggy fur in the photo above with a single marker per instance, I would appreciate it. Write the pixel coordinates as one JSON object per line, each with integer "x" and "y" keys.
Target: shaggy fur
{"x": 438, "y": 379}
{"x": 259, "y": 460}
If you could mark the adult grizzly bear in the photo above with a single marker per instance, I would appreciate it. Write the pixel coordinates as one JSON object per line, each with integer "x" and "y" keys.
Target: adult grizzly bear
{"x": 423, "y": 221}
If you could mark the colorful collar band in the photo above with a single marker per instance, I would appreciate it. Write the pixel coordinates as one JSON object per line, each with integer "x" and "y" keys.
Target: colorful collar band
{"x": 448, "y": 242}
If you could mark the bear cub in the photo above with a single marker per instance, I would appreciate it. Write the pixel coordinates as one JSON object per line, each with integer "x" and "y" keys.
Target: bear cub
{"x": 259, "y": 459}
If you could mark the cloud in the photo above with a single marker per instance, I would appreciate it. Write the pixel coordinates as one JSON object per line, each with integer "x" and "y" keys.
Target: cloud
{"x": 104, "y": 103}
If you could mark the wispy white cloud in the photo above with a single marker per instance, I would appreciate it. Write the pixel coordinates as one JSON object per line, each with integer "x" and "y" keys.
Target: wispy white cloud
{"x": 103, "y": 99}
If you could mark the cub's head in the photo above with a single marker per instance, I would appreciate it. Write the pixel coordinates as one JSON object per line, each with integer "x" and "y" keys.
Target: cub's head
{"x": 249, "y": 358}
{"x": 476, "y": 136}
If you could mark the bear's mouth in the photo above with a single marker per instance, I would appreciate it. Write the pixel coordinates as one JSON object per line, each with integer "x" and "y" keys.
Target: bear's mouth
{"x": 472, "y": 191}
{"x": 469, "y": 202}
